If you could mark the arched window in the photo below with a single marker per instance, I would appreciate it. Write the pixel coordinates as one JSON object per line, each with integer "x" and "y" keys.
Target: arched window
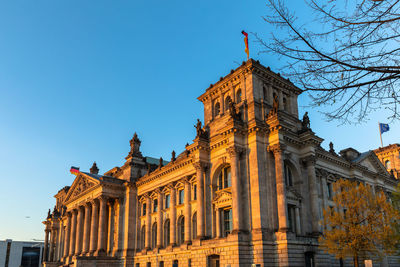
{"x": 181, "y": 230}
{"x": 239, "y": 96}
{"x": 288, "y": 176}
{"x": 194, "y": 226}
{"x": 387, "y": 164}
{"x": 227, "y": 102}
{"x": 166, "y": 233}
{"x": 217, "y": 109}
{"x": 154, "y": 235}
{"x": 142, "y": 237}
{"x": 224, "y": 178}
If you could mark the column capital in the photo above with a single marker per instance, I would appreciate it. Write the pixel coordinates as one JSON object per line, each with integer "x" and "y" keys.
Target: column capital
{"x": 235, "y": 151}
{"x": 201, "y": 165}
{"x": 308, "y": 160}
{"x": 276, "y": 148}
{"x": 103, "y": 198}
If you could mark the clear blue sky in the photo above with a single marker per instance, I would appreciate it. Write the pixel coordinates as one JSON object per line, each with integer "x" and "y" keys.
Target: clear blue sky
{"x": 78, "y": 78}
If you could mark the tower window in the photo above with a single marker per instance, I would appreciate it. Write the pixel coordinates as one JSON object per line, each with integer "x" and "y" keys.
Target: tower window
{"x": 217, "y": 109}
{"x": 167, "y": 201}
{"x": 227, "y": 102}
{"x": 239, "y": 96}
{"x": 224, "y": 178}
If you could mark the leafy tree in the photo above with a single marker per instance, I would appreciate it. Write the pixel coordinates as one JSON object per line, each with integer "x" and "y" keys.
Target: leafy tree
{"x": 361, "y": 223}
{"x": 344, "y": 53}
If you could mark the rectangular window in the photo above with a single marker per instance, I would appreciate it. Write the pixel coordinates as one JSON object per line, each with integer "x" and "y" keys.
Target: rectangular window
{"x": 181, "y": 196}
{"x": 167, "y": 201}
{"x": 144, "y": 209}
{"x": 330, "y": 192}
{"x": 161, "y": 264}
{"x": 137, "y": 264}
{"x": 291, "y": 218}
{"x": 227, "y": 221}
{"x": 148, "y": 264}
{"x": 155, "y": 205}
{"x": 195, "y": 192}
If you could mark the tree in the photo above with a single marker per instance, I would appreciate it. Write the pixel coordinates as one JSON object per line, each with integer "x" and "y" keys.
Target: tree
{"x": 346, "y": 57}
{"x": 361, "y": 223}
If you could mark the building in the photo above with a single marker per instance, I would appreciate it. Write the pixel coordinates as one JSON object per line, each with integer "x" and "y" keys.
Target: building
{"x": 20, "y": 253}
{"x": 248, "y": 191}
{"x": 390, "y": 158}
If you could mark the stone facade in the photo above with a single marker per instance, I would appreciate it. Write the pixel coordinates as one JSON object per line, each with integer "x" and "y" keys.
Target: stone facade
{"x": 248, "y": 191}
{"x": 390, "y": 158}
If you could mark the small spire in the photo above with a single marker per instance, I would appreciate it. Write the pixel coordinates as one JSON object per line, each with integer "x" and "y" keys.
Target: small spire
{"x": 160, "y": 164}
{"x": 94, "y": 169}
{"x": 173, "y": 156}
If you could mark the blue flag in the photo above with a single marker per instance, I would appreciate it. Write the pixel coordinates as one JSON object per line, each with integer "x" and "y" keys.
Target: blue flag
{"x": 383, "y": 127}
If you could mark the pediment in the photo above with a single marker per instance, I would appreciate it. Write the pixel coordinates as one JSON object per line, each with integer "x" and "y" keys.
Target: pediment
{"x": 293, "y": 194}
{"x": 81, "y": 184}
{"x": 223, "y": 197}
{"x": 373, "y": 164}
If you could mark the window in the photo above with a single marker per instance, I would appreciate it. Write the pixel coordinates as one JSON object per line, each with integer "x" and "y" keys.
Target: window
{"x": 181, "y": 196}
{"x": 387, "y": 164}
{"x": 148, "y": 264}
{"x": 181, "y": 230}
{"x": 227, "y": 221}
{"x": 161, "y": 264}
{"x": 30, "y": 256}
{"x": 194, "y": 226}
{"x": 227, "y": 102}
{"x": 166, "y": 233}
{"x": 143, "y": 237}
{"x": 239, "y": 96}
{"x": 175, "y": 264}
{"x": 155, "y": 205}
{"x": 224, "y": 178}
{"x": 291, "y": 218}
{"x": 137, "y": 264}
{"x": 285, "y": 104}
{"x": 167, "y": 201}
{"x": 154, "y": 235}
{"x": 288, "y": 176}
{"x": 189, "y": 262}
{"x": 144, "y": 209}
{"x": 195, "y": 192}
{"x": 330, "y": 192}
{"x": 217, "y": 109}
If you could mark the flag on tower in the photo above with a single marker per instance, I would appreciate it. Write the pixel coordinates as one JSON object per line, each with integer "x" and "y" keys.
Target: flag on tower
{"x": 384, "y": 127}
{"x": 74, "y": 170}
{"x": 246, "y": 42}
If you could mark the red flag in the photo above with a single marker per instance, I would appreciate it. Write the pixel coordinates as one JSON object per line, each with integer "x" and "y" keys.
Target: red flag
{"x": 74, "y": 170}
{"x": 246, "y": 42}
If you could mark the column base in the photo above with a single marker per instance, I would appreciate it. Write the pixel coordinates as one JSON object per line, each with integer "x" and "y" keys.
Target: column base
{"x": 100, "y": 252}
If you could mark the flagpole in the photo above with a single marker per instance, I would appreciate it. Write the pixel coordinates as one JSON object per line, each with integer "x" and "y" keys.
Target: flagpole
{"x": 380, "y": 132}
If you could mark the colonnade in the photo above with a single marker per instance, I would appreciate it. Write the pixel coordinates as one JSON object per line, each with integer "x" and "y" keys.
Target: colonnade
{"x": 91, "y": 229}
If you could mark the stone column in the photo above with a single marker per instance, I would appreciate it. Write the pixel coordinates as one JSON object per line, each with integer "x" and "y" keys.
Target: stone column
{"x": 298, "y": 225}
{"x": 218, "y": 223}
{"x": 148, "y": 223}
{"x": 130, "y": 210}
{"x": 188, "y": 211}
{"x": 110, "y": 236}
{"x": 118, "y": 242}
{"x": 94, "y": 227}
{"x": 79, "y": 232}
{"x": 72, "y": 240}
{"x": 159, "y": 219}
{"x": 46, "y": 244}
{"x": 86, "y": 231}
{"x": 312, "y": 181}
{"x": 51, "y": 246}
{"x": 67, "y": 235}
{"x": 200, "y": 199}
{"x": 102, "y": 234}
{"x": 60, "y": 240}
{"x": 280, "y": 188}
{"x": 236, "y": 189}
{"x": 172, "y": 224}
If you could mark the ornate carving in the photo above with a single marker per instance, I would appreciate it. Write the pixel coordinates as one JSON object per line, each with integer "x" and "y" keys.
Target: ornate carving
{"x": 331, "y": 149}
{"x": 235, "y": 151}
{"x": 82, "y": 186}
{"x": 201, "y": 166}
{"x": 135, "y": 147}
{"x": 200, "y": 132}
{"x": 236, "y": 115}
{"x": 306, "y": 122}
{"x": 276, "y": 148}
{"x": 309, "y": 160}
{"x": 94, "y": 169}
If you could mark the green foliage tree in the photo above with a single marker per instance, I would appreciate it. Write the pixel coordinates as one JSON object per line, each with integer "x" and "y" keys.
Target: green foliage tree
{"x": 361, "y": 223}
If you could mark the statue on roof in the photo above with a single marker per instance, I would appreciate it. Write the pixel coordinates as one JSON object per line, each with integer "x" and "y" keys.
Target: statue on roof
{"x": 94, "y": 169}
{"x": 135, "y": 147}
{"x": 173, "y": 156}
{"x": 160, "y": 164}
{"x": 49, "y": 214}
{"x": 199, "y": 127}
{"x": 331, "y": 149}
{"x": 275, "y": 104}
{"x": 232, "y": 111}
{"x": 306, "y": 122}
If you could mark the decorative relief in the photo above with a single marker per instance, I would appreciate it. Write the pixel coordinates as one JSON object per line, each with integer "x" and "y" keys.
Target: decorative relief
{"x": 82, "y": 186}
{"x": 222, "y": 198}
